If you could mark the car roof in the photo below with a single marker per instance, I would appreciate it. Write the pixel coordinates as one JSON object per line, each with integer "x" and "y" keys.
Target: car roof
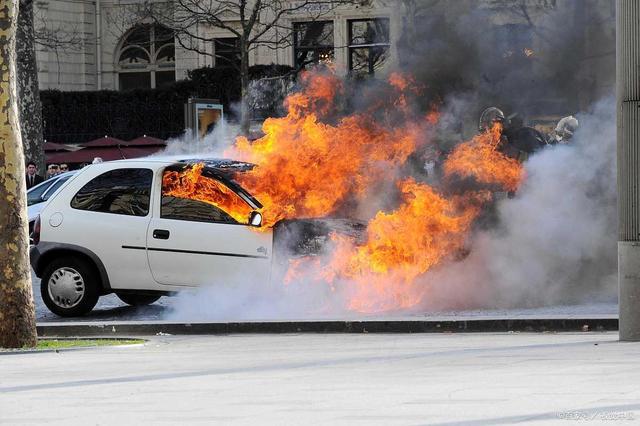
{"x": 223, "y": 164}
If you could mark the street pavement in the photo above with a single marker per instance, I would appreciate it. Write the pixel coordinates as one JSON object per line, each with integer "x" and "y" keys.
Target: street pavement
{"x": 332, "y": 379}
{"x": 110, "y": 308}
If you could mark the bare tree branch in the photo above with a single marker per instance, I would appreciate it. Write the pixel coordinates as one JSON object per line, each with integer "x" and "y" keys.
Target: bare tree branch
{"x": 255, "y": 23}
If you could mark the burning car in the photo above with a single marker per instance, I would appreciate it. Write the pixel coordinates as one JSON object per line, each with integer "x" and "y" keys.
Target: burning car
{"x": 149, "y": 227}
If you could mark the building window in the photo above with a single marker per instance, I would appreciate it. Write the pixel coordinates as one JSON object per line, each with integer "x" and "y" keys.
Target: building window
{"x": 146, "y": 58}
{"x": 227, "y": 52}
{"x": 312, "y": 43}
{"x": 368, "y": 45}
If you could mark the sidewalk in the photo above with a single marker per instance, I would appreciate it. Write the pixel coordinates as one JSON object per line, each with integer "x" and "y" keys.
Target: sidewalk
{"x": 441, "y": 379}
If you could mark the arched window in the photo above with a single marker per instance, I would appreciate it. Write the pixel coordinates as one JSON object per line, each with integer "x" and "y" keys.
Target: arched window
{"x": 146, "y": 58}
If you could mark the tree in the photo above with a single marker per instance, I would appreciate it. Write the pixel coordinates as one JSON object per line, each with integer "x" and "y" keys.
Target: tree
{"x": 53, "y": 38}
{"x": 251, "y": 24}
{"x": 28, "y": 88}
{"x": 17, "y": 313}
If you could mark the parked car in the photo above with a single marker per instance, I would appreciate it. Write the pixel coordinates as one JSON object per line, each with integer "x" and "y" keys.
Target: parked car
{"x": 39, "y": 194}
{"x": 112, "y": 229}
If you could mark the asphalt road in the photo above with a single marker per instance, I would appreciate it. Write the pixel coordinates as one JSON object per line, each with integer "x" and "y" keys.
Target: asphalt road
{"x": 110, "y": 308}
{"x": 332, "y": 379}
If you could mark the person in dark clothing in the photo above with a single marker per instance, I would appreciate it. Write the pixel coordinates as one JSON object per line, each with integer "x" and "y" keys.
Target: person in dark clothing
{"x": 32, "y": 177}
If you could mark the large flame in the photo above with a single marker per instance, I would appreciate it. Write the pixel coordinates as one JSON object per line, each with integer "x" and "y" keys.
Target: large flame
{"x": 309, "y": 168}
{"x": 310, "y": 163}
{"x": 401, "y": 246}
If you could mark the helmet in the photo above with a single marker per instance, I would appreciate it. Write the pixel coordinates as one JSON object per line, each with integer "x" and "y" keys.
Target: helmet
{"x": 488, "y": 117}
{"x": 566, "y": 126}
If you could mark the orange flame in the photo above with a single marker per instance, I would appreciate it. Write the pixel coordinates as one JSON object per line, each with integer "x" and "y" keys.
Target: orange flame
{"x": 189, "y": 183}
{"x": 480, "y": 159}
{"x": 402, "y": 245}
{"x": 307, "y": 168}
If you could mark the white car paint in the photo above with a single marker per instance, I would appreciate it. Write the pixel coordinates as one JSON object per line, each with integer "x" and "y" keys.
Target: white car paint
{"x": 39, "y": 194}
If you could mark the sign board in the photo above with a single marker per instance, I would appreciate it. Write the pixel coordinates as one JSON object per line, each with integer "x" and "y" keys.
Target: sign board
{"x": 202, "y": 115}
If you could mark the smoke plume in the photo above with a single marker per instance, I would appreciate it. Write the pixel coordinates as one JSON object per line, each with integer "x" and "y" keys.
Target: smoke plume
{"x": 212, "y": 145}
{"x": 551, "y": 243}
{"x": 526, "y": 57}
{"x": 556, "y": 239}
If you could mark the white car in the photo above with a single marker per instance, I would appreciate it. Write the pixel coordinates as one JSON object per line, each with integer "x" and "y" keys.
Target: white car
{"x": 111, "y": 229}
{"x": 39, "y": 194}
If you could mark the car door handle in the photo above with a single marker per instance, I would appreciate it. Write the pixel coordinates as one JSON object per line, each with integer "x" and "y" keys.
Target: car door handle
{"x": 161, "y": 234}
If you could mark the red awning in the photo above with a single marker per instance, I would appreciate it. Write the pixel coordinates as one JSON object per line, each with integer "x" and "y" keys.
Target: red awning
{"x": 87, "y": 155}
{"x": 146, "y": 141}
{"x": 55, "y": 147}
{"x": 106, "y": 141}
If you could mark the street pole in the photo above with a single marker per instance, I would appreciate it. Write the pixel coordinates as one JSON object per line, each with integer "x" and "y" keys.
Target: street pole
{"x": 628, "y": 141}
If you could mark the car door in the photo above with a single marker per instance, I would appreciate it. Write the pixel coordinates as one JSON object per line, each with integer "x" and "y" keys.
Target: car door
{"x": 191, "y": 242}
{"x": 109, "y": 216}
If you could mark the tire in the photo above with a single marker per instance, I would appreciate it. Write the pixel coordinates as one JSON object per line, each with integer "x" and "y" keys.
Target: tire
{"x": 138, "y": 299}
{"x": 70, "y": 286}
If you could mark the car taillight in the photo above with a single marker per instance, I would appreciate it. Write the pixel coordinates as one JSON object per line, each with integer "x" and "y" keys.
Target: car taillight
{"x": 35, "y": 235}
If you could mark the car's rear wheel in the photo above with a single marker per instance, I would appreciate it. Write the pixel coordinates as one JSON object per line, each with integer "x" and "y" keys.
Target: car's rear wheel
{"x": 138, "y": 299}
{"x": 70, "y": 287}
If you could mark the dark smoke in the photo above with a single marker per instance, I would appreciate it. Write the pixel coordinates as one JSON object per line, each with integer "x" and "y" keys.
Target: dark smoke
{"x": 480, "y": 49}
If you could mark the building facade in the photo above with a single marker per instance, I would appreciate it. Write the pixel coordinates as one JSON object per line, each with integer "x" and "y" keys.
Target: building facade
{"x": 116, "y": 47}
{"x": 115, "y": 50}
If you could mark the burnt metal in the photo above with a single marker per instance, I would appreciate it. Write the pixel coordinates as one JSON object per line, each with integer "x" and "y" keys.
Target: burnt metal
{"x": 306, "y": 237}
{"x": 221, "y": 164}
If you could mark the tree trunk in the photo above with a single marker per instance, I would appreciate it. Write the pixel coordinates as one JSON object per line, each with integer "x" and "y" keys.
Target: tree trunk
{"x": 244, "y": 88}
{"x": 28, "y": 90}
{"x": 17, "y": 312}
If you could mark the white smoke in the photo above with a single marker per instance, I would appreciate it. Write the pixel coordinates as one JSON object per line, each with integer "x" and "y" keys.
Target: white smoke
{"x": 242, "y": 297}
{"x": 556, "y": 240}
{"x": 555, "y": 244}
{"x": 213, "y": 144}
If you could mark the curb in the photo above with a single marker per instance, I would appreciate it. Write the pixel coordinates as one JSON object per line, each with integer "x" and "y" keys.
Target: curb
{"x": 104, "y": 329}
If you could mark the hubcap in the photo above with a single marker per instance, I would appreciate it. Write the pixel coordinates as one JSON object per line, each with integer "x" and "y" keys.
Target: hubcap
{"x": 66, "y": 287}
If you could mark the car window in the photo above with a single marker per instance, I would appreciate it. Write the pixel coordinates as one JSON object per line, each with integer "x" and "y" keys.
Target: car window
{"x": 121, "y": 191}
{"x": 34, "y": 195}
{"x": 53, "y": 188}
{"x": 193, "y": 210}
{"x": 202, "y": 200}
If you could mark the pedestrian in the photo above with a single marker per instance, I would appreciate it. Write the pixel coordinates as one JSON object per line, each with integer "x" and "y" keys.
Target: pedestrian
{"x": 64, "y": 168}
{"x": 564, "y": 131}
{"x": 52, "y": 170}
{"x": 32, "y": 177}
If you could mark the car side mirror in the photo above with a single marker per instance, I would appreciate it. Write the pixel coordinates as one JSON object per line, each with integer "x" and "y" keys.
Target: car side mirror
{"x": 255, "y": 218}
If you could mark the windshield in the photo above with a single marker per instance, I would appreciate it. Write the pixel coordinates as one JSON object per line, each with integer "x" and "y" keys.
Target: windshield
{"x": 229, "y": 179}
{"x": 53, "y": 188}
{"x": 34, "y": 195}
